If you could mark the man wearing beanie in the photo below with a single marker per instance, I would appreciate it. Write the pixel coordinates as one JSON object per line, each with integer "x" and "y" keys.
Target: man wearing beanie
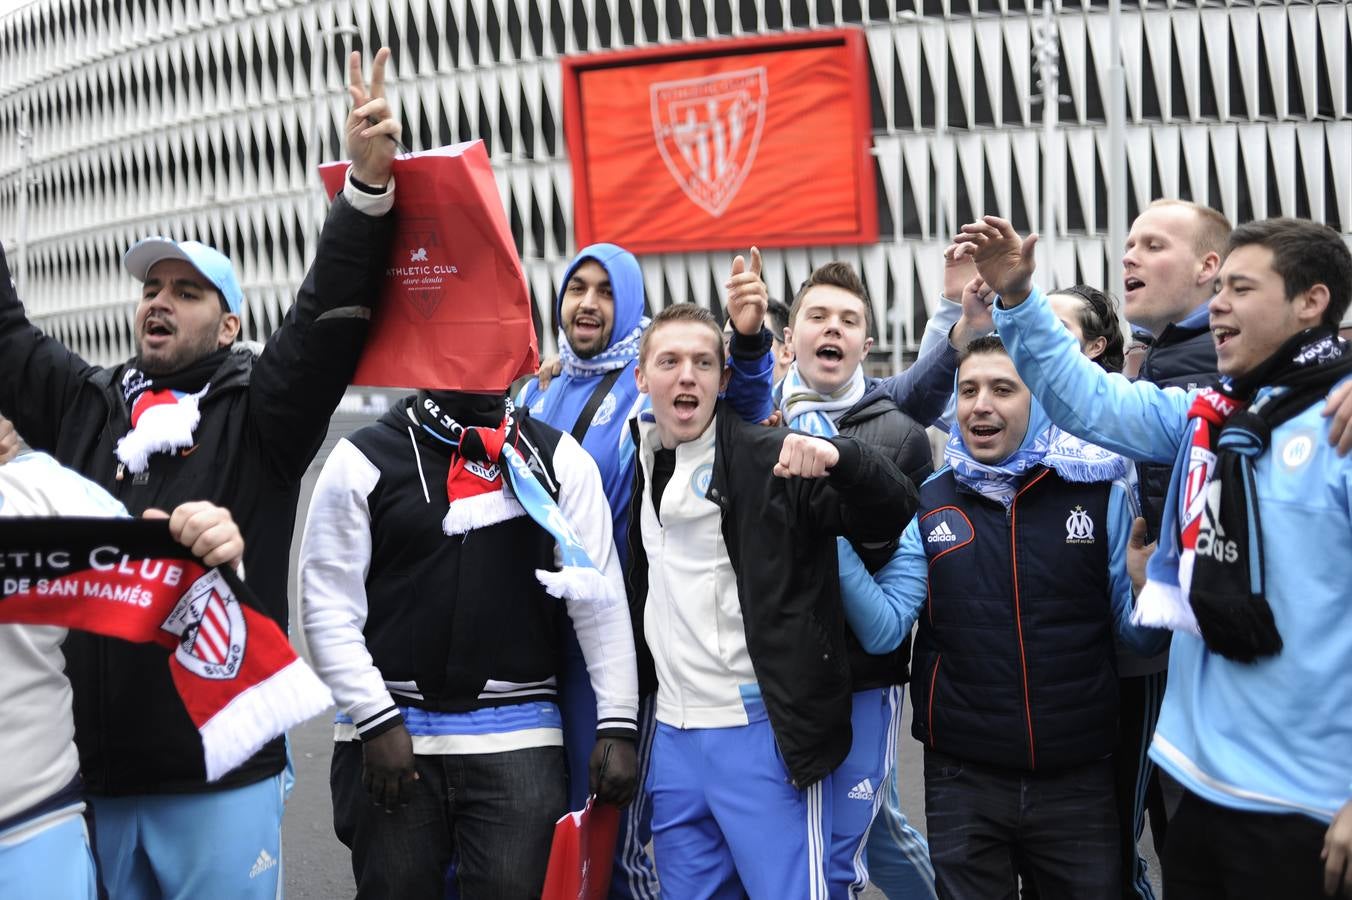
{"x": 192, "y": 418}
{"x": 443, "y": 548}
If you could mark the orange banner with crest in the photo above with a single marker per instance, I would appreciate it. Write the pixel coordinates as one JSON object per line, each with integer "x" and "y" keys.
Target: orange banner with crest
{"x": 725, "y": 144}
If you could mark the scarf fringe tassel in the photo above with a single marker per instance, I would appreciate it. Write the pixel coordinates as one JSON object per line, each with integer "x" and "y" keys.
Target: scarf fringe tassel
{"x": 579, "y": 583}
{"x": 480, "y": 511}
{"x": 1163, "y": 605}
{"x": 1087, "y": 471}
{"x": 290, "y": 696}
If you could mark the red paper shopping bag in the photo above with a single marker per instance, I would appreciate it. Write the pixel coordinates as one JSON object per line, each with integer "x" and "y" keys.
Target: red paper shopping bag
{"x": 582, "y": 854}
{"x": 455, "y": 312}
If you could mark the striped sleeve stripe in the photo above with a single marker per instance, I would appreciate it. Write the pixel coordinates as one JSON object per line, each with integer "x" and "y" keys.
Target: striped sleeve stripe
{"x": 617, "y": 722}
{"x": 375, "y": 721}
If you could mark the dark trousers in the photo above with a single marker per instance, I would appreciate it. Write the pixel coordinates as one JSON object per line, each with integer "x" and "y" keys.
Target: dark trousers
{"x": 495, "y": 811}
{"x": 1218, "y": 853}
{"x": 1138, "y": 779}
{"x": 986, "y": 825}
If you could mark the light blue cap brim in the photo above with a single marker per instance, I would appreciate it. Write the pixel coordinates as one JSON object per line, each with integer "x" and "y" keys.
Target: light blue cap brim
{"x": 214, "y": 265}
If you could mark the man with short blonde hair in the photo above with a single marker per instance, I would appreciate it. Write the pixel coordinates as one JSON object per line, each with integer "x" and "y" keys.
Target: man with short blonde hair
{"x": 735, "y": 600}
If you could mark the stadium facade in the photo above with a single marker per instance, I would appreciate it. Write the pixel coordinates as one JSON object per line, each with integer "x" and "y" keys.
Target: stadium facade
{"x": 207, "y": 120}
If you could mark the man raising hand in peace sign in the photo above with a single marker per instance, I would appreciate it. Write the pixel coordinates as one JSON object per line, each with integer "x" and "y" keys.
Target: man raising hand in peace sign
{"x": 192, "y": 416}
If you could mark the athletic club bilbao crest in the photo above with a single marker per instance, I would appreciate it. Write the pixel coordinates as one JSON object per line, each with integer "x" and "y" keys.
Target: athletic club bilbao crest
{"x": 486, "y": 471}
{"x": 211, "y": 629}
{"x": 1201, "y": 462}
{"x": 708, "y": 129}
{"x": 421, "y": 265}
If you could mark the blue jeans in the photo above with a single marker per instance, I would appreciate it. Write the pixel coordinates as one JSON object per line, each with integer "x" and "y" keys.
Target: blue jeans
{"x": 494, "y": 811}
{"x": 986, "y": 825}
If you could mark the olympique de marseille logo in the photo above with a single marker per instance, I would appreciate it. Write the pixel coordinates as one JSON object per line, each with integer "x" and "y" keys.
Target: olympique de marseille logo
{"x": 708, "y": 129}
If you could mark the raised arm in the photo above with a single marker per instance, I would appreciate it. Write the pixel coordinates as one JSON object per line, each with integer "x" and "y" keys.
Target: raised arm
{"x": 749, "y": 355}
{"x": 310, "y": 360}
{"x": 925, "y": 390}
{"x": 1137, "y": 419}
{"x": 881, "y": 608}
{"x": 39, "y": 376}
{"x": 959, "y": 271}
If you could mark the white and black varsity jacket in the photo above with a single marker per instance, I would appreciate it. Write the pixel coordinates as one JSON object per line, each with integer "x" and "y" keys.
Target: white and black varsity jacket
{"x": 397, "y": 613}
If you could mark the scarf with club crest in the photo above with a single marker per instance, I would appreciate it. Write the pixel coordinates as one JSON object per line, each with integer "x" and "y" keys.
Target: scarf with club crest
{"x": 235, "y": 671}
{"x": 163, "y": 409}
{"x": 489, "y": 481}
{"x": 1211, "y": 568}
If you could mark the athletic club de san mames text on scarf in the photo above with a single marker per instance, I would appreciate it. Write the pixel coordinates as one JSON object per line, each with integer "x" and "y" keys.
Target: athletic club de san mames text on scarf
{"x": 239, "y": 679}
{"x": 1215, "y": 557}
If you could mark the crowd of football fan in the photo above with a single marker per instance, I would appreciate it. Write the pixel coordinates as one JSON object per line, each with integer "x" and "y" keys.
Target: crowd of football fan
{"x": 691, "y": 566}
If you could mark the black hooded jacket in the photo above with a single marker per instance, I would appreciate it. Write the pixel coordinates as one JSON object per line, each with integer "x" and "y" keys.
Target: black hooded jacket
{"x": 262, "y": 422}
{"x": 875, "y": 420}
{"x": 780, "y": 537}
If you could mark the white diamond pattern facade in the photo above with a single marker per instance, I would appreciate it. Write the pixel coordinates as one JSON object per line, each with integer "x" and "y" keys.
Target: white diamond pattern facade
{"x": 207, "y": 119}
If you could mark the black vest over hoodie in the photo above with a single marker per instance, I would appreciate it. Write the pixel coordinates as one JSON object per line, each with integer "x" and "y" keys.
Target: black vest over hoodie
{"x": 1014, "y": 664}
{"x": 450, "y": 613}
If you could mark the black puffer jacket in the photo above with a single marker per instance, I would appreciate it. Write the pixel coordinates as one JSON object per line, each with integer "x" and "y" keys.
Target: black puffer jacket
{"x": 261, "y": 424}
{"x": 875, "y": 420}
{"x": 1014, "y": 650}
{"x": 1184, "y": 356}
{"x": 780, "y": 536}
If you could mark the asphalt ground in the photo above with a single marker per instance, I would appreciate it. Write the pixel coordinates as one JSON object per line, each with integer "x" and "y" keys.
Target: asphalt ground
{"x": 317, "y": 867}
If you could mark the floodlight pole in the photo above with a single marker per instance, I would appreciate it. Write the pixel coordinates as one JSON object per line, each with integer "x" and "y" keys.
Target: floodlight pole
{"x": 25, "y": 157}
{"x": 1048, "y": 61}
{"x": 1117, "y": 149}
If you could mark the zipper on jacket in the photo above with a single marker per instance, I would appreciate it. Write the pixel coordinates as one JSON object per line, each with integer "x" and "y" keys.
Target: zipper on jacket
{"x": 1018, "y": 613}
{"x": 934, "y": 681}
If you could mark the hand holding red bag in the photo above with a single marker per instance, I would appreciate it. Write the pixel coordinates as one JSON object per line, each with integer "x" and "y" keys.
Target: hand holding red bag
{"x": 455, "y": 313}
{"x": 583, "y": 853}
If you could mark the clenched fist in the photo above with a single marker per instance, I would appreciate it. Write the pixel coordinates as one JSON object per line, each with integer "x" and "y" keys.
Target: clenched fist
{"x": 804, "y": 456}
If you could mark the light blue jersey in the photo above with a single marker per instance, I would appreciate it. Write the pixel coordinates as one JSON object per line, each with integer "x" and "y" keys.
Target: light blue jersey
{"x": 1271, "y": 736}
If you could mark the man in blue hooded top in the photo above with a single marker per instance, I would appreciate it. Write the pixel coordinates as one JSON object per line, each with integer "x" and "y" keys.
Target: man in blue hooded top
{"x": 600, "y": 314}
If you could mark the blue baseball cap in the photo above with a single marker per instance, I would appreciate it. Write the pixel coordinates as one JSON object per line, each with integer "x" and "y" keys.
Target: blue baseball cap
{"x": 213, "y": 265}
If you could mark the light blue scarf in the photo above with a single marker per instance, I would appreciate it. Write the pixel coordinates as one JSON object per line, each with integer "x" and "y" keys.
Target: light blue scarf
{"x": 1043, "y": 444}
{"x": 578, "y": 578}
{"x": 815, "y": 413}
{"x": 618, "y": 355}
